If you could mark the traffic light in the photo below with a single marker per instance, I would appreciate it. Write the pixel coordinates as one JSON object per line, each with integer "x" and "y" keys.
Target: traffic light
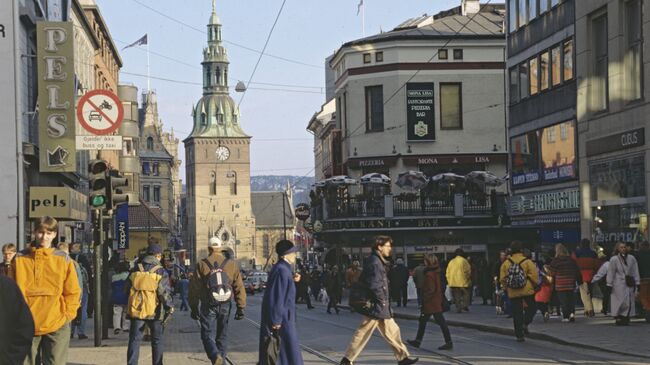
{"x": 97, "y": 183}
{"x": 114, "y": 194}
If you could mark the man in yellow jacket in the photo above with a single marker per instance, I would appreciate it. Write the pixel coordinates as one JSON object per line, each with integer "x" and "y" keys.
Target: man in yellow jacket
{"x": 48, "y": 279}
{"x": 459, "y": 274}
{"x": 521, "y": 318}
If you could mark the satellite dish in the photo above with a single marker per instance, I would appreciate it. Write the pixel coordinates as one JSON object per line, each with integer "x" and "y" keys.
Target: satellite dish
{"x": 241, "y": 87}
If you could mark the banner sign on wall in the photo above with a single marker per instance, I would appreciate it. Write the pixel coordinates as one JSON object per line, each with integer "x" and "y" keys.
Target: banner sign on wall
{"x": 122, "y": 226}
{"x": 420, "y": 117}
{"x": 56, "y": 119}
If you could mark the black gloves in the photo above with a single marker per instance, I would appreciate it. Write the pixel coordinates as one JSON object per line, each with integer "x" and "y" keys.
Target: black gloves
{"x": 239, "y": 314}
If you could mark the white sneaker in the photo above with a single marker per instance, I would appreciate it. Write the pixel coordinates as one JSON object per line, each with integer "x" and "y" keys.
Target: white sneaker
{"x": 565, "y": 320}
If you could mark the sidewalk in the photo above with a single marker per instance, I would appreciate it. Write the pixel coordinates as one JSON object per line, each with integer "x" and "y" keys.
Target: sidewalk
{"x": 598, "y": 333}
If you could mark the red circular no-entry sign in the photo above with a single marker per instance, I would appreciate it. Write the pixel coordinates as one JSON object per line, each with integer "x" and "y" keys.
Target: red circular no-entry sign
{"x": 100, "y": 112}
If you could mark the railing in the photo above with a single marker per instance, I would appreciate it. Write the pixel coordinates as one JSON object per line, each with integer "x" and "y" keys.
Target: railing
{"x": 405, "y": 205}
{"x": 420, "y": 206}
{"x": 477, "y": 205}
{"x": 352, "y": 207}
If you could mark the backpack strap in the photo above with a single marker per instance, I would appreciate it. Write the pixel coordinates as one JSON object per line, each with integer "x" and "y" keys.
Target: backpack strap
{"x": 155, "y": 268}
{"x": 210, "y": 266}
{"x": 141, "y": 268}
{"x": 223, "y": 265}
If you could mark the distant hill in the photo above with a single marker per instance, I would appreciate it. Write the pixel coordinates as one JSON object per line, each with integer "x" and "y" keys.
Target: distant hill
{"x": 301, "y": 185}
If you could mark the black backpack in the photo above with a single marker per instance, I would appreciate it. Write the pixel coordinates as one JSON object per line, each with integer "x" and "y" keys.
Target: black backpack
{"x": 218, "y": 284}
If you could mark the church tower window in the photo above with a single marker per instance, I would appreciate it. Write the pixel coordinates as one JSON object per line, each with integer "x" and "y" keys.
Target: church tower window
{"x": 225, "y": 76}
{"x": 213, "y": 183}
{"x": 208, "y": 76}
{"x": 217, "y": 74}
{"x": 233, "y": 182}
{"x": 204, "y": 122}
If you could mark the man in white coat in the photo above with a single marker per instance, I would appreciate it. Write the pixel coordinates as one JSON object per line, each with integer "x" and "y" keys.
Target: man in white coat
{"x": 624, "y": 280}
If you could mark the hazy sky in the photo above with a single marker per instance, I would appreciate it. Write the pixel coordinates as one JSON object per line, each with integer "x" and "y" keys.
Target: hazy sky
{"x": 307, "y": 32}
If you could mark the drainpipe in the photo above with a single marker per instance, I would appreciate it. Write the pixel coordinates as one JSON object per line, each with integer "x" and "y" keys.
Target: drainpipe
{"x": 20, "y": 214}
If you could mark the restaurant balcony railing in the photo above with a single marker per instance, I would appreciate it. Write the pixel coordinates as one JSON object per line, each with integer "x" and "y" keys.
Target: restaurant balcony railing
{"x": 407, "y": 205}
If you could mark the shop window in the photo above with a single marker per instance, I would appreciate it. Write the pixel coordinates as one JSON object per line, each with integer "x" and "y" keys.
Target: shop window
{"x": 559, "y": 155}
{"x": 525, "y": 159}
{"x": 617, "y": 179}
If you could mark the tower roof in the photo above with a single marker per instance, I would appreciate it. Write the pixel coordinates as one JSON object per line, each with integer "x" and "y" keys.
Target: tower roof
{"x": 214, "y": 19}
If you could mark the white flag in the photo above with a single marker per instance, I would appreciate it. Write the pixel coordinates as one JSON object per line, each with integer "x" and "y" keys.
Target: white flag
{"x": 359, "y": 6}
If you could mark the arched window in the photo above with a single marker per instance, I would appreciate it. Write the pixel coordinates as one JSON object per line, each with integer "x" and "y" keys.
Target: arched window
{"x": 219, "y": 116}
{"x": 217, "y": 74}
{"x": 213, "y": 183}
{"x": 208, "y": 76}
{"x": 150, "y": 143}
{"x": 233, "y": 182}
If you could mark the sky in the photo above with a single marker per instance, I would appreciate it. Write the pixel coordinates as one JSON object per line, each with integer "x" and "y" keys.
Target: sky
{"x": 306, "y": 32}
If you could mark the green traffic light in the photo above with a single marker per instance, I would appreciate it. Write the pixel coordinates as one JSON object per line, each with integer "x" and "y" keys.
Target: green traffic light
{"x": 98, "y": 201}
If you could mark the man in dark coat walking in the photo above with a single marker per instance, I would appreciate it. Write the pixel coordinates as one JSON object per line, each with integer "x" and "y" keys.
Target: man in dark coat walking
{"x": 16, "y": 324}
{"x": 380, "y": 315}
{"x": 399, "y": 277}
{"x": 279, "y": 308}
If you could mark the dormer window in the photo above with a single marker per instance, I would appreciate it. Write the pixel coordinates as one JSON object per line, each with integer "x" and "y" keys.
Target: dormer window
{"x": 204, "y": 122}
{"x": 219, "y": 117}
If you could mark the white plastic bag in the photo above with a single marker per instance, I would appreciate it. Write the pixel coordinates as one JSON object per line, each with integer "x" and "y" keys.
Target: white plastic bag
{"x": 448, "y": 294}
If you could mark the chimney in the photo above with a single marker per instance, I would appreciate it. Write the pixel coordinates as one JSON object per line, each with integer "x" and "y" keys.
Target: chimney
{"x": 470, "y": 7}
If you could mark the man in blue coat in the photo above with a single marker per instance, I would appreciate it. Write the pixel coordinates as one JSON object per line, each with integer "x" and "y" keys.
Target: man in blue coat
{"x": 279, "y": 308}
{"x": 380, "y": 315}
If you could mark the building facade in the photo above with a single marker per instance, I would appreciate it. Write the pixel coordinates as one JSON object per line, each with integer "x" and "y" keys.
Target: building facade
{"x": 274, "y": 221}
{"x": 612, "y": 115}
{"x": 158, "y": 165}
{"x": 542, "y": 127}
{"x": 218, "y": 163}
{"x": 426, "y": 96}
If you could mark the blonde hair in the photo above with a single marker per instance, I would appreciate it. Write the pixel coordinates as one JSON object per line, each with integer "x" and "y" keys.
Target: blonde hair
{"x": 430, "y": 260}
{"x": 560, "y": 250}
{"x": 9, "y": 247}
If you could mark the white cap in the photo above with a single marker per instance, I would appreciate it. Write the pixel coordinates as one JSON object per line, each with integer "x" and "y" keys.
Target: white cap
{"x": 214, "y": 241}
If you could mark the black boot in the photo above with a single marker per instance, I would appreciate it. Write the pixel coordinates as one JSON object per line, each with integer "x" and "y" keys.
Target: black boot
{"x": 446, "y": 346}
{"x": 408, "y": 361}
{"x": 345, "y": 361}
{"x": 414, "y": 343}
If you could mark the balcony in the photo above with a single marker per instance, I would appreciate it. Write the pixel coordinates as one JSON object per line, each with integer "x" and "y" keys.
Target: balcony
{"x": 412, "y": 205}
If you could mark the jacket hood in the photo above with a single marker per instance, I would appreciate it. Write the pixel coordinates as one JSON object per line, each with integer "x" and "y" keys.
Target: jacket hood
{"x": 152, "y": 260}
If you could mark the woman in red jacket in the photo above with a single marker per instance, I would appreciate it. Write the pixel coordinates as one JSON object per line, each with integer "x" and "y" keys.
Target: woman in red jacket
{"x": 432, "y": 303}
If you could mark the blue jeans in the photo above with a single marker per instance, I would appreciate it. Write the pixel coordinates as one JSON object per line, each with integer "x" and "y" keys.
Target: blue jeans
{"x": 184, "y": 305}
{"x": 78, "y": 325}
{"x": 214, "y": 329}
{"x": 135, "y": 336}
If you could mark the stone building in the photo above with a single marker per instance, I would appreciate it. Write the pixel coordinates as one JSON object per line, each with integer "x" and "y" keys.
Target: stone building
{"x": 428, "y": 96}
{"x": 218, "y": 162}
{"x": 545, "y": 201}
{"x": 273, "y": 212}
{"x": 612, "y": 74}
{"x": 159, "y": 167}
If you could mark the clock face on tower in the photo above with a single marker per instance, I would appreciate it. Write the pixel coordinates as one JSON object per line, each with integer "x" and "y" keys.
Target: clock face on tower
{"x": 222, "y": 153}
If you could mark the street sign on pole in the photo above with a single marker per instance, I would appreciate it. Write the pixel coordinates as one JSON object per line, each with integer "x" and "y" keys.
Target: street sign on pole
{"x": 100, "y": 112}
{"x": 122, "y": 226}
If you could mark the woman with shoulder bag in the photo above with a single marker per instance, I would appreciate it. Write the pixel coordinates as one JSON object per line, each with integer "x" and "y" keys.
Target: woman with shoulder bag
{"x": 432, "y": 304}
{"x": 623, "y": 279}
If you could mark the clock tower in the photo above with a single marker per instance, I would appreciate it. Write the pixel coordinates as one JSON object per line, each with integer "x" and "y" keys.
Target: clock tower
{"x": 217, "y": 155}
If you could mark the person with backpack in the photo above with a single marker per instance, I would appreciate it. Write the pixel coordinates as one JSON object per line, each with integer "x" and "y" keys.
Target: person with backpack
{"x": 279, "y": 310}
{"x": 432, "y": 303}
{"x": 566, "y": 274}
{"x": 216, "y": 281}
{"x": 378, "y": 313}
{"x": 120, "y": 298}
{"x": 518, "y": 275}
{"x": 150, "y": 304}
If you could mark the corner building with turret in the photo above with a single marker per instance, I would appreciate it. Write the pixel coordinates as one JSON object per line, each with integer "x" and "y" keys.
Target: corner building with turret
{"x": 217, "y": 154}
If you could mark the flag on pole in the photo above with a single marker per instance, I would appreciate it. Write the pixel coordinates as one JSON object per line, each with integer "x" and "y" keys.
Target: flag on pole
{"x": 359, "y": 6}
{"x": 139, "y": 42}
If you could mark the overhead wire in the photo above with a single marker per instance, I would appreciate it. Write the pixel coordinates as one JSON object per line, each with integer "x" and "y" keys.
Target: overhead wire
{"x": 225, "y": 41}
{"x": 266, "y": 43}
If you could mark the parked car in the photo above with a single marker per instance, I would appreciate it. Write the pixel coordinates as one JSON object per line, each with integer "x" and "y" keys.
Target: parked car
{"x": 254, "y": 284}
